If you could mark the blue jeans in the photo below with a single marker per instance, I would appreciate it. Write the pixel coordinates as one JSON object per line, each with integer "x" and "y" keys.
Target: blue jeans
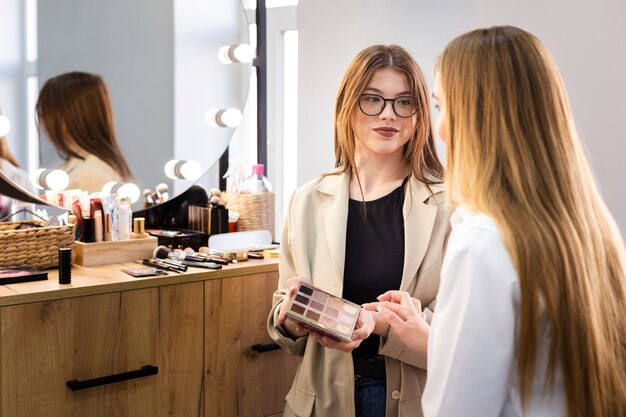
{"x": 370, "y": 397}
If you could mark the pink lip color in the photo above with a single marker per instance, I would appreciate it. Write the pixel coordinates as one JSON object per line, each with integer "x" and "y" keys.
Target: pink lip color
{"x": 386, "y": 131}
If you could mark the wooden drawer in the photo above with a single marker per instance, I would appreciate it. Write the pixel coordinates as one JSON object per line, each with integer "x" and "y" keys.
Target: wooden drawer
{"x": 44, "y": 345}
{"x": 239, "y": 381}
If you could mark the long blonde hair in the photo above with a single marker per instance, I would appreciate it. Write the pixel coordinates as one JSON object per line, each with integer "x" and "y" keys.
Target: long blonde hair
{"x": 419, "y": 153}
{"x": 514, "y": 153}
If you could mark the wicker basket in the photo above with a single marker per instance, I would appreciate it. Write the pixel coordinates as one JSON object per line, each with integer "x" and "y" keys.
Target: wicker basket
{"x": 36, "y": 247}
{"x": 256, "y": 211}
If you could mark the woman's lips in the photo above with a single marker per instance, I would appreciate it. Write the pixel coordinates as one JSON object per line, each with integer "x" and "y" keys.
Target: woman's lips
{"x": 386, "y": 131}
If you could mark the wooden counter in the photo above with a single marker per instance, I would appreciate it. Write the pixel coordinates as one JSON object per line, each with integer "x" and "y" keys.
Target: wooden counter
{"x": 109, "y": 278}
{"x": 198, "y": 329}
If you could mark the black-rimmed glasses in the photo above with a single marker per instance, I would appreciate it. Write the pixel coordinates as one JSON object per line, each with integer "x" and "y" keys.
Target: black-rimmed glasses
{"x": 373, "y": 105}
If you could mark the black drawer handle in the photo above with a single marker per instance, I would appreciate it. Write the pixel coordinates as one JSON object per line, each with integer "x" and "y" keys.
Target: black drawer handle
{"x": 147, "y": 370}
{"x": 267, "y": 347}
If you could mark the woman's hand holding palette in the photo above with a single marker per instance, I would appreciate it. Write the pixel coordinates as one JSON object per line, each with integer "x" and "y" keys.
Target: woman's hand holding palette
{"x": 323, "y": 312}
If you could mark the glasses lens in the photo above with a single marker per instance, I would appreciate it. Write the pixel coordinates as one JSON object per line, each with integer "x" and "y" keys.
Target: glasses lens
{"x": 405, "y": 106}
{"x": 371, "y": 104}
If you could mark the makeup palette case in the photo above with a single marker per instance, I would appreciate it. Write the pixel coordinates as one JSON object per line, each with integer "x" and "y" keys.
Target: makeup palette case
{"x": 323, "y": 312}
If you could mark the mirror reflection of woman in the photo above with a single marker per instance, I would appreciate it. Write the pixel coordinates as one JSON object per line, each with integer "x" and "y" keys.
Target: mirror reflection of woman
{"x": 377, "y": 222}
{"x": 75, "y": 111}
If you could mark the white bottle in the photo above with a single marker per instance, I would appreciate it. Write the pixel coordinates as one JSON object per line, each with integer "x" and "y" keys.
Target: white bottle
{"x": 257, "y": 182}
{"x": 124, "y": 218}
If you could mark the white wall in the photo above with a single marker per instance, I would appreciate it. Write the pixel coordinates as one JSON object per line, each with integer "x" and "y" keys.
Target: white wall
{"x": 586, "y": 38}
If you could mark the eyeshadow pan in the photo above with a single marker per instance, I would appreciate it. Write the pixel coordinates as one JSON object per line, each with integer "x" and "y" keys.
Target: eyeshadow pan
{"x": 302, "y": 299}
{"x": 330, "y": 312}
{"x": 306, "y": 290}
{"x": 334, "y": 304}
{"x": 343, "y": 329}
{"x": 312, "y": 315}
{"x": 346, "y": 318}
{"x": 320, "y": 296}
{"x": 298, "y": 309}
{"x": 349, "y": 308}
{"x": 328, "y": 322}
{"x": 317, "y": 306}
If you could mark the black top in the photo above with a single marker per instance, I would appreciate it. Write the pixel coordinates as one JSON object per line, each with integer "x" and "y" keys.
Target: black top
{"x": 374, "y": 260}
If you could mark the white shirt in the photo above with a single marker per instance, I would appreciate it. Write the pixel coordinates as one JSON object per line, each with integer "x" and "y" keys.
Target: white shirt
{"x": 472, "y": 347}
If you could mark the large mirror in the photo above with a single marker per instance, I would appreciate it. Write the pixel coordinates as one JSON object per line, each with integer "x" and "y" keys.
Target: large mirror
{"x": 159, "y": 61}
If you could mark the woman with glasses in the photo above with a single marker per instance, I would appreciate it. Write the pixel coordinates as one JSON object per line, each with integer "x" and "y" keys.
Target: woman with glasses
{"x": 531, "y": 313}
{"x": 377, "y": 222}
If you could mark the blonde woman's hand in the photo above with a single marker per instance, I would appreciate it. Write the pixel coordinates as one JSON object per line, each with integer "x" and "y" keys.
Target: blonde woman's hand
{"x": 293, "y": 328}
{"x": 404, "y": 315}
{"x": 362, "y": 330}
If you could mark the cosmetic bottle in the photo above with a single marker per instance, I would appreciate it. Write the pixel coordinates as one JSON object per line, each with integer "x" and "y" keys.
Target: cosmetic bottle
{"x": 124, "y": 218}
{"x": 257, "y": 182}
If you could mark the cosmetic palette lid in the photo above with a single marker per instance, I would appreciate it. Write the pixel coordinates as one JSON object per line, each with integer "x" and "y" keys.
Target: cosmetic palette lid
{"x": 323, "y": 312}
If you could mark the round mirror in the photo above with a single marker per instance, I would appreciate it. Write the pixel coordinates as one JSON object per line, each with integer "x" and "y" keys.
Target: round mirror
{"x": 160, "y": 62}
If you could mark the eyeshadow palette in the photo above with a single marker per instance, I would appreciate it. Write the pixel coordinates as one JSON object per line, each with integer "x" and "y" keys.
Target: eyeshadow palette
{"x": 324, "y": 312}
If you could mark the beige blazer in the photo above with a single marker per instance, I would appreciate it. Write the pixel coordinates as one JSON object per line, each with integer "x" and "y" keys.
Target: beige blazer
{"x": 313, "y": 245}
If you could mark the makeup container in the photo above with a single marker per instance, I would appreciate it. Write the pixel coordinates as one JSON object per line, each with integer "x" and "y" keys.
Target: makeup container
{"x": 323, "y": 312}
{"x": 98, "y": 234}
{"x": 65, "y": 265}
{"x": 139, "y": 228}
{"x": 108, "y": 225}
{"x": 124, "y": 218}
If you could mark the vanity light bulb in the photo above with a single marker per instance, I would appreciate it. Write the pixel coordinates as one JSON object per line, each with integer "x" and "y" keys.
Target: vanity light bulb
{"x": 127, "y": 189}
{"x": 108, "y": 188}
{"x": 183, "y": 170}
{"x": 238, "y": 53}
{"x": 230, "y": 117}
{"x": 5, "y": 126}
{"x": 51, "y": 179}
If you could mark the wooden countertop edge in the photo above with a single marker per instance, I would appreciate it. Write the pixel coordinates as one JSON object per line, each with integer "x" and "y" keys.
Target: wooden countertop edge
{"x": 110, "y": 279}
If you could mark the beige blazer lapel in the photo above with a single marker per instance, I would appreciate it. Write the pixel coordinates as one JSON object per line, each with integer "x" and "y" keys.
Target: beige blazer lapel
{"x": 419, "y": 219}
{"x": 335, "y": 215}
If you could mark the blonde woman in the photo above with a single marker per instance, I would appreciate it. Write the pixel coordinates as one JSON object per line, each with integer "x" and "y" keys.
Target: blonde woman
{"x": 531, "y": 316}
{"x": 377, "y": 222}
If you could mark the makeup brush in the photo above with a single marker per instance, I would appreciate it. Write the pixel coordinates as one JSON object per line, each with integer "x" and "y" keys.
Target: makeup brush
{"x": 161, "y": 190}
{"x": 148, "y": 194}
{"x": 163, "y": 252}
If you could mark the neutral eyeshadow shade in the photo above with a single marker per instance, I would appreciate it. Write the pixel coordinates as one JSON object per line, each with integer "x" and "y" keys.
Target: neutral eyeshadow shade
{"x": 331, "y": 312}
{"x": 297, "y": 308}
{"x": 302, "y": 299}
{"x": 349, "y": 308}
{"x": 343, "y": 329}
{"x": 320, "y": 296}
{"x": 312, "y": 315}
{"x": 334, "y": 303}
{"x": 346, "y": 318}
{"x": 328, "y": 322}
{"x": 317, "y": 306}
